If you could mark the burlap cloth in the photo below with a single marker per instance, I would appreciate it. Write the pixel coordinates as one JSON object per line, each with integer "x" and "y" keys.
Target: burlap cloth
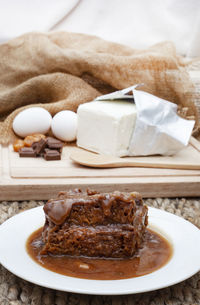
{"x": 61, "y": 70}
{"x": 15, "y": 291}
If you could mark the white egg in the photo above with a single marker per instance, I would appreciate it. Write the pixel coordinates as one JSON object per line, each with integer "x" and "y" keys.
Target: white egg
{"x": 32, "y": 120}
{"x": 64, "y": 125}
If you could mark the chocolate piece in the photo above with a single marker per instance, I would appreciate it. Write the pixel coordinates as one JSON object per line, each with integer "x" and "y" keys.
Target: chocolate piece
{"x": 50, "y": 154}
{"x": 27, "y": 152}
{"x": 39, "y": 146}
{"x": 110, "y": 225}
{"x": 49, "y": 148}
{"x": 53, "y": 143}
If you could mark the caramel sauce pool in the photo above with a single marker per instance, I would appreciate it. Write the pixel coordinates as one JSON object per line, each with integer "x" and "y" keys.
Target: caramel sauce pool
{"x": 155, "y": 253}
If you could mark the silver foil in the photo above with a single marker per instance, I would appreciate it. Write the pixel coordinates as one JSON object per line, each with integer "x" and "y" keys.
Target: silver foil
{"x": 158, "y": 129}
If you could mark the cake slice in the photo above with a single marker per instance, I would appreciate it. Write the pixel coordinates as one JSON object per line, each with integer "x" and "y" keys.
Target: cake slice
{"x": 109, "y": 225}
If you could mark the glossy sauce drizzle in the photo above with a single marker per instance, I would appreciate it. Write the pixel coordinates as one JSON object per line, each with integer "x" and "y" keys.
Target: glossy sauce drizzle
{"x": 155, "y": 253}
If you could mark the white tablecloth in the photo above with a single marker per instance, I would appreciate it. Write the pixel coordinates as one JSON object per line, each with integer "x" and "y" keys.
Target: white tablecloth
{"x": 137, "y": 23}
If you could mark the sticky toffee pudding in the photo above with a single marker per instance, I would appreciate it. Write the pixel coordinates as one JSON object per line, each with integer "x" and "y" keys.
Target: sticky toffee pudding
{"x": 98, "y": 236}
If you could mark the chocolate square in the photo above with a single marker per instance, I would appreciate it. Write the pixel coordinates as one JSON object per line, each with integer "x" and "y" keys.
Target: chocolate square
{"x": 53, "y": 143}
{"x": 39, "y": 146}
{"x": 51, "y": 154}
{"x": 27, "y": 152}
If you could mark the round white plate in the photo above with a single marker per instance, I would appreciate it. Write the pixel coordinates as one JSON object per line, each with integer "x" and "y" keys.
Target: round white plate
{"x": 185, "y": 261}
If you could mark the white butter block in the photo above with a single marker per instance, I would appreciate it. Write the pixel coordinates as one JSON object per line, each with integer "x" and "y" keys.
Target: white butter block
{"x": 106, "y": 127}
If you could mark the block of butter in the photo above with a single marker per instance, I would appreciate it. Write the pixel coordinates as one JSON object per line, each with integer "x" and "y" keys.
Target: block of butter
{"x": 106, "y": 127}
{"x": 132, "y": 122}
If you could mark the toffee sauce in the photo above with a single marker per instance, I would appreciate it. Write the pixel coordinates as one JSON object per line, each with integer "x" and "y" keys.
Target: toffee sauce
{"x": 155, "y": 253}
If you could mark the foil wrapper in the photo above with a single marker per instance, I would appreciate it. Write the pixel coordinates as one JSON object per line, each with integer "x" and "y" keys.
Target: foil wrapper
{"x": 159, "y": 130}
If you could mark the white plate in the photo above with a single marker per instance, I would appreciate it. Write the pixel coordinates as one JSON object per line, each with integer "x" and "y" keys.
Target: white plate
{"x": 185, "y": 260}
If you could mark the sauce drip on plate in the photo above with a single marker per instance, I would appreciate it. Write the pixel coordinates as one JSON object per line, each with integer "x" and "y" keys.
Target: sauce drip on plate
{"x": 155, "y": 253}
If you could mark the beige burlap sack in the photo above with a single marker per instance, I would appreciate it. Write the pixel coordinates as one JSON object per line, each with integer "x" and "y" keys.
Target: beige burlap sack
{"x": 62, "y": 70}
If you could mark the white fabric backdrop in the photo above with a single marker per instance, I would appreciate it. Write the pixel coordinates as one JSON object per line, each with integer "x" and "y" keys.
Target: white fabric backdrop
{"x": 20, "y": 16}
{"x": 137, "y": 23}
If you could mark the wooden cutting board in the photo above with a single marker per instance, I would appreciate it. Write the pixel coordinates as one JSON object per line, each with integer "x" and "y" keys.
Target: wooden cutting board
{"x": 30, "y": 178}
{"x": 188, "y": 158}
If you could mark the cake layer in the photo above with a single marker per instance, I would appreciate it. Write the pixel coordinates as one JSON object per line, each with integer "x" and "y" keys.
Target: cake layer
{"x": 110, "y": 225}
{"x": 106, "y": 126}
{"x": 116, "y": 241}
{"x": 89, "y": 208}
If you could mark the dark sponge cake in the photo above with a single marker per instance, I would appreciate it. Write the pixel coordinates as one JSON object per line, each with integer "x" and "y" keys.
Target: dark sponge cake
{"x": 110, "y": 225}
